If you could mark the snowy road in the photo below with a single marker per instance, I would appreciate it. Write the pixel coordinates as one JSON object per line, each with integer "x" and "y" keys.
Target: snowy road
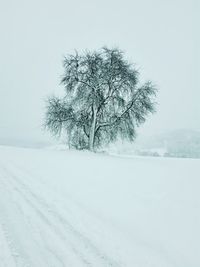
{"x": 69, "y": 209}
{"x": 36, "y": 219}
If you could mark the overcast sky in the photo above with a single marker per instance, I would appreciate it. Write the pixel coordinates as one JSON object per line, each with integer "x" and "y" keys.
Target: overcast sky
{"x": 160, "y": 36}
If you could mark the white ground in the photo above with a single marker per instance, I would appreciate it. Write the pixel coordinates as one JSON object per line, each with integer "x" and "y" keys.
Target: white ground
{"x": 72, "y": 209}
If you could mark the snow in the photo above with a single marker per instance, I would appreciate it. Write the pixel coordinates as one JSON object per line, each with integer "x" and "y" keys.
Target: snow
{"x": 68, "y": 208}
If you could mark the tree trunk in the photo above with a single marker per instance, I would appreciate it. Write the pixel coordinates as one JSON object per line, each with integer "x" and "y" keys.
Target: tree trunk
{"x": 92, "y": 130}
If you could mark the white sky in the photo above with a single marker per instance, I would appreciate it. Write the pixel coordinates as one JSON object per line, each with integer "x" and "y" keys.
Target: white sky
{"x": 160, "y": 36}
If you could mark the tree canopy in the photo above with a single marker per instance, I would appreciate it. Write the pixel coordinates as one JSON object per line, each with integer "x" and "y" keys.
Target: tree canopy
{"x": 103, "y": 99}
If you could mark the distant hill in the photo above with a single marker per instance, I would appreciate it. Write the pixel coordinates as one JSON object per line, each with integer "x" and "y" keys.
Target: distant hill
{"x": 179, "y": 143}
{"x": 19, "y": 142}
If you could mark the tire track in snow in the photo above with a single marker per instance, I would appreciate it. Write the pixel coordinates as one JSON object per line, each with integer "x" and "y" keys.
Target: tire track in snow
{"x": 17, "y": 255}
{"x": 90, "y": 252}
{"x": 18, "y": 259}
{"x": 75, "y": 209}
{"x": 52, "y": 227}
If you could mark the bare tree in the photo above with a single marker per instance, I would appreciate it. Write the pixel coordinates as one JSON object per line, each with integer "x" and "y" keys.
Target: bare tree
{"x": 102, "y": 99}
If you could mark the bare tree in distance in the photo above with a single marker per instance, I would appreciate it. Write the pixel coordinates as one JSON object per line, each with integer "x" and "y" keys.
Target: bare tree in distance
{"x": 103, "y": 100}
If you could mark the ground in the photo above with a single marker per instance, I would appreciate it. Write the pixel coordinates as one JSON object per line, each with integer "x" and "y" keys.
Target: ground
{"x": 71, "y": 209}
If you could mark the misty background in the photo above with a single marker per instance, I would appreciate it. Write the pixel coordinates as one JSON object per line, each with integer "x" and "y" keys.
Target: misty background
{"x": 159, "y": 36}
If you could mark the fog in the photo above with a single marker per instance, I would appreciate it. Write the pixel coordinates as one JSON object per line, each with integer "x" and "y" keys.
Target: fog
{"x": 159, "y": 36}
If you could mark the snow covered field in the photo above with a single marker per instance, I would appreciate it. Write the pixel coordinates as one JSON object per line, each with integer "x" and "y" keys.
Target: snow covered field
{"x": 67, "y": 208}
